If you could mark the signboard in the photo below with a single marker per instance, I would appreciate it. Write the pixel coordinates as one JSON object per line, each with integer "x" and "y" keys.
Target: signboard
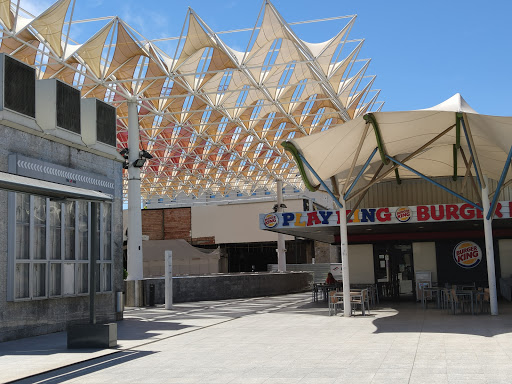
{"x": 467, "y": 254}
{"x": 387, "y": 215}
{"x": 337, "y": 271}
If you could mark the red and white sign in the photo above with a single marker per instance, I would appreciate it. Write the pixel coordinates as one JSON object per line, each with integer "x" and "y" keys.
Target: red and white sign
{"x": 271, "y": 220}
{"x": 467, "y": 254}
{"x": 403, "y": 214}
{"x": 387, "y": 215}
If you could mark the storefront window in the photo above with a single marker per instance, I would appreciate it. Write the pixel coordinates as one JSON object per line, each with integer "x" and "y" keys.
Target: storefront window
{"x": 51, "y": 248}
{"x": 22, "y": 226}
{"x": 55, "y": 231}
{"x": 83, "y": 230}
{"x": 69, "y": 222}
{"x": 39, "y": 215}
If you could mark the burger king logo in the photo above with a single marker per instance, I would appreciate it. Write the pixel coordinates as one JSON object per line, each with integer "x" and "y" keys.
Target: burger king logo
{"x": 271, "y": 220}
{"x": 403, "y": 214}
{"x": 467, "y": 254}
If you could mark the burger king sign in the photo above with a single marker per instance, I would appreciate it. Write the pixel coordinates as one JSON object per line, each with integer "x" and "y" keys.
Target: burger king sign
{"x": 271, "y": 220}
{"x": 467, "y": 254}
{"x": 403, "y": 214}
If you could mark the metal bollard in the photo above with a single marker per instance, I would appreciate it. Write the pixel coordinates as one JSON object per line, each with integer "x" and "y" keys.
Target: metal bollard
{"x": 119, "y": 302}
{"x": 151, "y": 295}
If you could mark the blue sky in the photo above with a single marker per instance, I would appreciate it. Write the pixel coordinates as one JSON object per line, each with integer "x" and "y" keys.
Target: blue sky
{"x": 422, "y": 51}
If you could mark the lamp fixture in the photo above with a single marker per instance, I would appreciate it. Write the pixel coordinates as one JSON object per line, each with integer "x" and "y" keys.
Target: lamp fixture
{"x": 124, "y": 152}
{"x": 144, "y": 154}
{"x": 139, "y": 163}
{"x": 275, "y": 207}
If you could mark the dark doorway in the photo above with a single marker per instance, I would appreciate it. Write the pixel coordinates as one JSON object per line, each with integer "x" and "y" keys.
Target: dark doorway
{"x": 394, "y": 270}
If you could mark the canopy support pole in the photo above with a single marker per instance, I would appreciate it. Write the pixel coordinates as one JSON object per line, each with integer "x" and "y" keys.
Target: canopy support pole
{"x": 347, "y": 305}
{"x": 489, "y": 249}
{"x": 388, "y": 171}
{"x": 281, "y": 246}
{"x": 380, "y": 144}
{"x": 361, "y": 197}
{"x": 321, "y": 181}
{"x": 135, "y": 265}
{"x": 455, "y": 154}
{"x": 397, "y": 177}
{"x": 468, "y": 173}
{"x": 471, "y": 146}
{"x": 435, "y": 183}
{"x": 361, "y": 172}
{"x": 356, "y": 156}
{"x": 500, "y": 183}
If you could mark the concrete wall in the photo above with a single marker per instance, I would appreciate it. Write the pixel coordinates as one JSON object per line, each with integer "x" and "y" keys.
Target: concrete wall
{"x": 424, "y": 258}
{"x": 35, "y": 317}
{"x": 360, "y": 258}
{"x": 505, "y": 250}
{"x": 228, "y": 286}
{"x": 236, "y": 223}
{"x": 186, "y": 259}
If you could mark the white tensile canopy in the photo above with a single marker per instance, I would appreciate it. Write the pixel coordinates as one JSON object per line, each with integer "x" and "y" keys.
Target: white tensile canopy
{"x": 449, "y": 139}
{"x": 332, "y": 153}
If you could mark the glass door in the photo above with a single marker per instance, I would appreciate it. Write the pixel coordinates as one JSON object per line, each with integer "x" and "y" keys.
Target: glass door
{"x": 394, "y": 270}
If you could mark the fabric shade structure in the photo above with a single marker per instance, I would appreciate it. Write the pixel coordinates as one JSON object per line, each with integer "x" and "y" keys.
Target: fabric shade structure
{"x": 449, "y": 139}
{"x": 400, "y": 134}
{"x": 212, "y": 117}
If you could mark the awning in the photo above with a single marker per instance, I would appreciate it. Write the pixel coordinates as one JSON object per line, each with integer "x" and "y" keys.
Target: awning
{"x": 15, "y": 183}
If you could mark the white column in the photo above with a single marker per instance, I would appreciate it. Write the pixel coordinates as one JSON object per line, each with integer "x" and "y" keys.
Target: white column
{"x": 347, "y": 310}
{"x": 135, "y": 266}
{"x": 281, "y": 248}
{"x": 168, "y": 279}
{"x": 489, "y": 250}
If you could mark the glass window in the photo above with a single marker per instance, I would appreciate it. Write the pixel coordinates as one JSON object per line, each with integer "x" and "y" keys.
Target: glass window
{"x": 107, "y": 230}
{"x": 39, "y": 213}
{"x": 55, "y": 279}
{"x": 83, "y": 278}
{"x": 68, "y": 279}
{"x": 22, "y": 226}
{"x": 39, "y": 280}
{"x": 51, "y": 246}
{"x": 83, "y": 228}
{"x": 69, "y": 239}
{"x": 55, "y": 231}
{"x": 21, "y": 278}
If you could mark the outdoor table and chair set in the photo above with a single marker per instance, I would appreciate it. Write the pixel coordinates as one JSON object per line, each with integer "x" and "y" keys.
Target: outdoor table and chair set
{"x": 360, "y": 297}
{"x": 457, "y": 299}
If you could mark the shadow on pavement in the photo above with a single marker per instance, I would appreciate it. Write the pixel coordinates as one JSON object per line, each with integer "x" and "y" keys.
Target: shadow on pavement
{"x": 78, "y": 370}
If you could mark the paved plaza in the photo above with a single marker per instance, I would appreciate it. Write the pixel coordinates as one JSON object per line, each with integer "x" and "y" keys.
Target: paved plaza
{"x": 282, "y": 339}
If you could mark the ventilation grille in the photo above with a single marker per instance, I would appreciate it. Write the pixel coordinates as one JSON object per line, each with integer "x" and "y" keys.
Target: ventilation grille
{"x": 19, "y": 87}
{"x": 106, "y": 123}
{"x": 68, "y": 107}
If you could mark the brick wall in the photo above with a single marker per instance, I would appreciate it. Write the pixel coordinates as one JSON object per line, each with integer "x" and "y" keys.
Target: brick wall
{"x": 167, "y": 224}
{"x": 152, "y": 223}
{"x": 178, "y": 224}
{"x": 210, "y": 240}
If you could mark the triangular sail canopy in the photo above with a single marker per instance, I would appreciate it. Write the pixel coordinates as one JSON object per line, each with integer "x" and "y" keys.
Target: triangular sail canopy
{"x": 331, "y": 153}
{"x": 211, "y": 116}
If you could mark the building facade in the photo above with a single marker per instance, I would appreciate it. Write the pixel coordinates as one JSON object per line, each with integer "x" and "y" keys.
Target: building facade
{"x": 45, "y": 242}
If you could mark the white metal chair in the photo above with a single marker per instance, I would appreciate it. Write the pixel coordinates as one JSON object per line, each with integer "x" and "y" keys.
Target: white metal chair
{"x": 335, "y": 301}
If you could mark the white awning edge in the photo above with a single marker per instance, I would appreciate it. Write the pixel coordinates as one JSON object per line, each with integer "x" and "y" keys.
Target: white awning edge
{"x": 15, "y": 183}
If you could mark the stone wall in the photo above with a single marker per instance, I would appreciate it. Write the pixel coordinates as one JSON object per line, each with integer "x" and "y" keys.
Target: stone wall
{"x": 225, "y": 286}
